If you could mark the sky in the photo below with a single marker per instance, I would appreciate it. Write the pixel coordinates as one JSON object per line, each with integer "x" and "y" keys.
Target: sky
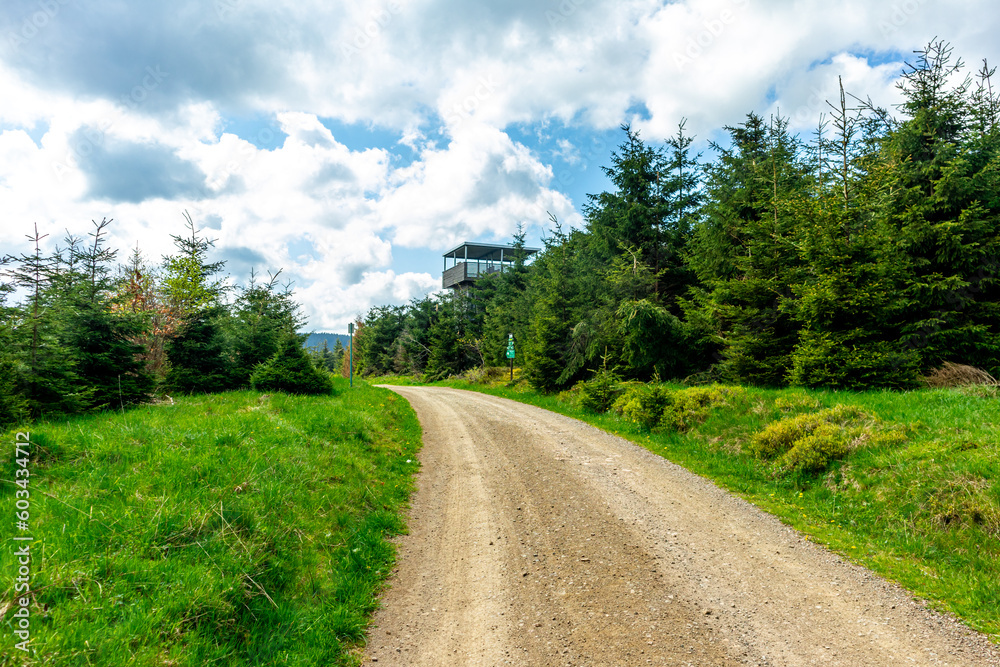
{"x": 351, "y": 144}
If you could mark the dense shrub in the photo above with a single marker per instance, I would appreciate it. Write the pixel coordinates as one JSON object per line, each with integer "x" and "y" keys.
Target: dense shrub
{"x": 781, "y": 436}
{"x": 600, "y": 392}
{"x": 643, "y": 403}
{"x": 815, "y": 451}
{"x": 690, "y": 407}
{"x": 809, "y": 442}
{"x": 291, "y": 370}
{"x": 655, "y": 406}
{"x": 824, "y": 360}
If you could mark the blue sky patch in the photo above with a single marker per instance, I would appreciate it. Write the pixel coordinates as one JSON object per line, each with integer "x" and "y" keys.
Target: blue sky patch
{"x": 264, "y": 132}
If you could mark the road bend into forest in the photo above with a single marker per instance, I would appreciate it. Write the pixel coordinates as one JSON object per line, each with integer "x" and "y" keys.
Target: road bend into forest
{"x": 535, "y": 539}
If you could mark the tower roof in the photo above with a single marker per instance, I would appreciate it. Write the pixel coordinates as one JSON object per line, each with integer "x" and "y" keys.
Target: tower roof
{"x": 485, "y": 251}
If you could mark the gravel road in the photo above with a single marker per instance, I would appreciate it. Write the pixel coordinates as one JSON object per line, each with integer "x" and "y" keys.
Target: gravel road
{"x": 538, "y": 540}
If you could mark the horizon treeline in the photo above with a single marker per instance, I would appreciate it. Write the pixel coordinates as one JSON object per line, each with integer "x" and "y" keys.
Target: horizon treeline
{"x": 860, "y": 257}
{"x": 89, "y": 333}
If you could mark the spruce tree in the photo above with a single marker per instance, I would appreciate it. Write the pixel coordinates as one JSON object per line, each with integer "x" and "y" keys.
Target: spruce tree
{"x": 109, "y": 361}
{"x": 548, "y": 345}
{"x": 337, "y": 358}
{"x": 13, "y": 406}
{"x": 743, "y": 252}
{"x": 290, "y": 370}
{"x": 682, "y": 189}
{"x": 48, "y": 366}
{"x": 445, "y": 358}
{"x": 848, "y": 304}
{"x": 200, "y": 356}
{"x": 635, "y": 213}
{"x": 189, "y": 283}
{"x": 263, "y": 315}
{"x": 415, "y": 336}
{"x": 509, "y": 310}
{"x": 375, "y": 353}
{"x": 945, "y": 213}
{"x": 137, "y": 295}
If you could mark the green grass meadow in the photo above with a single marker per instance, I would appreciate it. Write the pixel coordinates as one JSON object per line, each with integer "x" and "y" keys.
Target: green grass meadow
{"x": 924, "y": 512}
{"x": 227, "y": 529}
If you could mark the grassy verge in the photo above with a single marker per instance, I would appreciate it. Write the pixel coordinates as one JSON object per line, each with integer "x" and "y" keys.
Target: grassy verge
{"x": 230, "y": 529}
{"x": 923, "y": 509}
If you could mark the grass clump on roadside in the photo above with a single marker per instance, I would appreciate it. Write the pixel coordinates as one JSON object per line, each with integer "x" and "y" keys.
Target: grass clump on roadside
{"x": 656, "y": 406}
{"x": 228, "y": 529}
{"x": 810, "y": 442}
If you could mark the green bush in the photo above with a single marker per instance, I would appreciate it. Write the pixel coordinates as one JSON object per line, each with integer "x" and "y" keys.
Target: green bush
{"x": 809, "y": 442}
{"x": 781, "y": 436}
{"x": 851, "y": 361}
{"x": 643, "y": 403}
{"x": 291, "y": 370}
{"x": 815, "y": 451}
{"x": 600, "y": 392}
{"x": 655, "y": 406}
{"x": 691, "y": 406}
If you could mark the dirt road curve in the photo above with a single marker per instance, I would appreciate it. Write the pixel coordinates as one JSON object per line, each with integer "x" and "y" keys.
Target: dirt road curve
{"x": 538, "y": 540}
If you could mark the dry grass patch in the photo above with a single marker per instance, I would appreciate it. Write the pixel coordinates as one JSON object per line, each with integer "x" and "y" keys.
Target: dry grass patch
{"x": 959, "y": 375}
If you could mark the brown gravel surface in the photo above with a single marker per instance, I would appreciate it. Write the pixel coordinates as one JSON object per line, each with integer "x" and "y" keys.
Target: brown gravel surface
{"x": 538, "y": 540}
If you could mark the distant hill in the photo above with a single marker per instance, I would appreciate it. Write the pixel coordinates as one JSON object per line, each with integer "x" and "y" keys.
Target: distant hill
{"x": 316, "y": 340}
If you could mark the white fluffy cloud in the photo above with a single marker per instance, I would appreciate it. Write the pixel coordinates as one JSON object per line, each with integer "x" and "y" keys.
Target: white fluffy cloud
{"x": 121, "y": 110}
{"x": 479, "y": 187}
{"x": 324, "y": 213}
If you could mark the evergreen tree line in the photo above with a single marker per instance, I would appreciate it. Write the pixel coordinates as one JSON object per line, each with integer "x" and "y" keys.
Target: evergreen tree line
{"x": 88, "y": 333}
{"x": 862, "y": 256}
{"x": 333, "y": 361}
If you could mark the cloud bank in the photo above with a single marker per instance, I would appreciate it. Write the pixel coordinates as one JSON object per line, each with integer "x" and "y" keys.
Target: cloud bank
{"x": 332, "y": 139}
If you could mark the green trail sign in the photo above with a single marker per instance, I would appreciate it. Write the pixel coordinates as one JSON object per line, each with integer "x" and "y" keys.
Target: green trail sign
{"x": 510, "y": 354}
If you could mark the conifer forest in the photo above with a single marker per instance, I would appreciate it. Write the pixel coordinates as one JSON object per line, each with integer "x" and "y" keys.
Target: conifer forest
{"x": 862, "y": 256}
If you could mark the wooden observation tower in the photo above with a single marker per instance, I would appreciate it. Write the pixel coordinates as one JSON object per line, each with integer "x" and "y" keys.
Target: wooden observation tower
{"x": 471, "y": 261}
